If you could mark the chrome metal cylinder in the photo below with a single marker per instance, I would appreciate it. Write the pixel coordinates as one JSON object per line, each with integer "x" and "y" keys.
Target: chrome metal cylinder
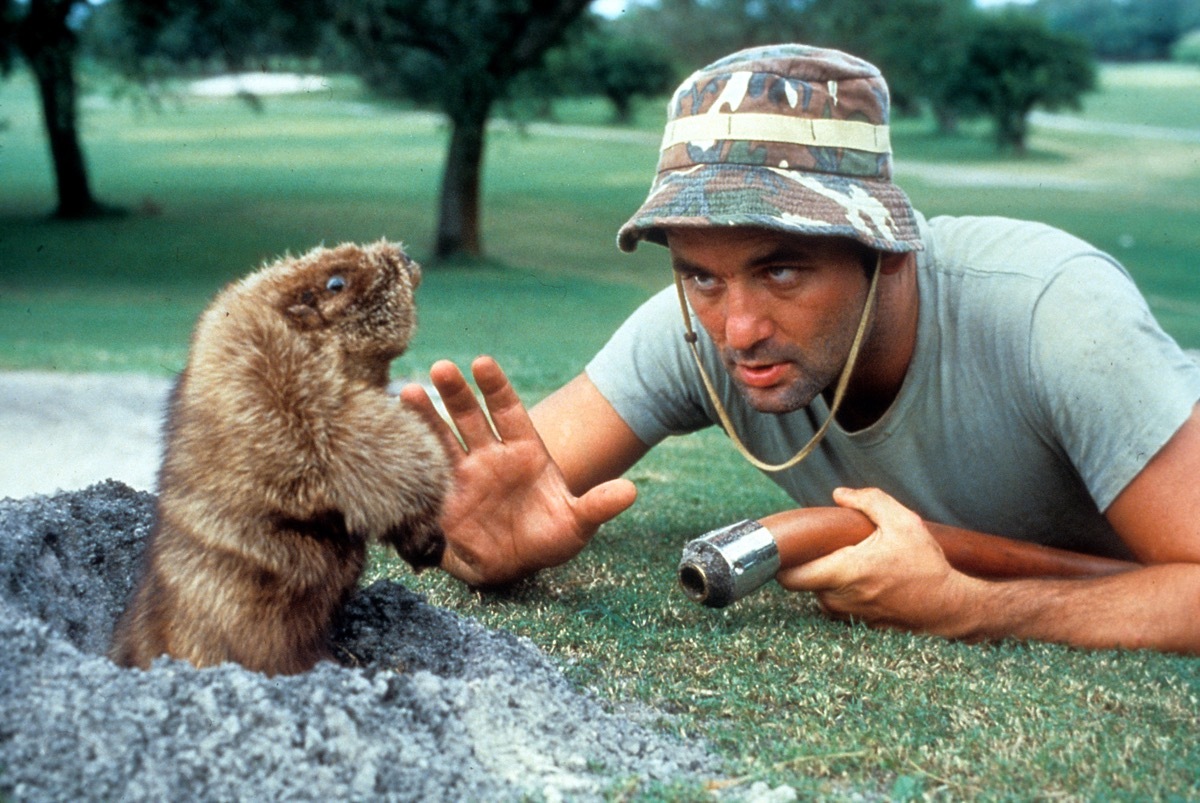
{"x": 726, "y": 564}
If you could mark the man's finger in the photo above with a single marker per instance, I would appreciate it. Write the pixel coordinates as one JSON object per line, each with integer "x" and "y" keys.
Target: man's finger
{"x": 822, "y": 574}
{"x": 875, "y": 504}
{"x": 508, "y": 413}
{"x": 462, "y": 406}
{"x": 417, "y": 399}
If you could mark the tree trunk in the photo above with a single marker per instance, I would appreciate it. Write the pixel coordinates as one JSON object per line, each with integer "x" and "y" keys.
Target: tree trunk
{"x": 946, "y": 117}
{"x": 622, "y": 104}
{"x": 458, "y": 212}
{"x": 56, "y": 83}
{"x": 49, "y": 49}
{"x": 1012, "y": 126}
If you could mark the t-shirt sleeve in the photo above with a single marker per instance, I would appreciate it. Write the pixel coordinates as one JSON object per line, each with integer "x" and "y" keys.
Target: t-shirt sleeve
{"x": 647, "y": 373}
{"x": 1113, "y": 386}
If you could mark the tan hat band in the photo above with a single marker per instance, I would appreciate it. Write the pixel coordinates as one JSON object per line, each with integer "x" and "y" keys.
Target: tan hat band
{"x": 819, "y": 133}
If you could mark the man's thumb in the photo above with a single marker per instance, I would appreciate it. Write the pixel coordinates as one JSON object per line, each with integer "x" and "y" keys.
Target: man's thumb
{"x": 604, "y": 502}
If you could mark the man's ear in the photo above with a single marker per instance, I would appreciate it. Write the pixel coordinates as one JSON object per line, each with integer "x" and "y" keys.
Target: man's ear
{"x": 891, "y": 262}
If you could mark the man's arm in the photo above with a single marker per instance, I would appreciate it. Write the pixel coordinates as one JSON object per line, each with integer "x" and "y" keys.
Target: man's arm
{"x": 529, "y": 492}
{"x": 899, "y": 577}
{"x": 586, "y": 437}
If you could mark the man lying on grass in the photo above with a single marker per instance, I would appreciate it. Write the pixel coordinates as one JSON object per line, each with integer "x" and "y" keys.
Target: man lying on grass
{"x": 1010, "y": 379}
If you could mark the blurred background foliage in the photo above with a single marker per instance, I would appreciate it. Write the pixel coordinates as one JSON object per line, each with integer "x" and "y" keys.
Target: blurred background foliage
{"x": 951, "y": 60}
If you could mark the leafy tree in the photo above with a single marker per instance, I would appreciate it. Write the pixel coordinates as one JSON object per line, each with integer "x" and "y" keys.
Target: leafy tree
{"x": 151, "y": 39}
{"x": 461, "y": 56}
{"x": 1123, "y": 30}
{"x": 43, "y": 33}
{"x": 919, "y": 45}
{"x": 624, "y": 69}
{"x": 1013, "y": 64}
{"x": 46, "y": 34}
{"x": 618, "y": 65}
{"x": 696, "y": 32}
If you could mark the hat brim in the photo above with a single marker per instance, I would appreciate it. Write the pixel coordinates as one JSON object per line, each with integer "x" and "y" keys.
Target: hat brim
{"x": 874, "y": 212}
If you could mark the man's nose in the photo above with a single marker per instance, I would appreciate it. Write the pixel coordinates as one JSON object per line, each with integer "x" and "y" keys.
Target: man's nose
{"x": 746, "y": 320}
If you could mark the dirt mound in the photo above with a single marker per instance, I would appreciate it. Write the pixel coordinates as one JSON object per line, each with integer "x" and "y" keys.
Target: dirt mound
{"x": 430, "y": 706}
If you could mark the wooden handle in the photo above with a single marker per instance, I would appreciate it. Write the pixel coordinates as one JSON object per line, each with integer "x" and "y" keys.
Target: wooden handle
{"x": 809, "y": 533}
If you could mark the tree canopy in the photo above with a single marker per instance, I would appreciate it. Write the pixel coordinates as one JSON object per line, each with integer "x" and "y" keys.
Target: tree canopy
{"x": 146, "y": 39}
{"x": 1013, "y": 63}
{"x": 619, "y": 66}
{"x": 1123, "y": 30}
{"x": 918, "y": 60}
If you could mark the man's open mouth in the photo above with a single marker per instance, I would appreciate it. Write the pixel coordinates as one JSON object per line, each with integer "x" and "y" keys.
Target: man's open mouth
{"x": 759, "y": 376}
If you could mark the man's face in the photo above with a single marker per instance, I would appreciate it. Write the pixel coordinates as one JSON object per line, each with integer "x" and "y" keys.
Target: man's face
{"x": 782, "y": 309}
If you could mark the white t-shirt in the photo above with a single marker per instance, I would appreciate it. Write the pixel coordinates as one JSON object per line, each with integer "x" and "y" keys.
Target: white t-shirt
{"x": 1040, "y": 386}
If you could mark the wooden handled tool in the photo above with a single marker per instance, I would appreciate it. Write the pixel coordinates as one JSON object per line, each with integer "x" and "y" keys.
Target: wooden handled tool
{"x": 726, "y": 564}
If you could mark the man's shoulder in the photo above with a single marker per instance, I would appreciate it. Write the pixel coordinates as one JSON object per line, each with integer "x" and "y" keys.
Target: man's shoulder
{"x": 1002, "y": 268}
{"x": 1006, "y": 247}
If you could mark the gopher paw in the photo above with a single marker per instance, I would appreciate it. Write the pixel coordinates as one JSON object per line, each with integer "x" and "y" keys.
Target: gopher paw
{"x": 422, "y": 545}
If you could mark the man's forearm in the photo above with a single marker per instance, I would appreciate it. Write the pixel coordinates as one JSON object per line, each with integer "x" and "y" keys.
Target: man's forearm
{"x": 1157, "y": 607}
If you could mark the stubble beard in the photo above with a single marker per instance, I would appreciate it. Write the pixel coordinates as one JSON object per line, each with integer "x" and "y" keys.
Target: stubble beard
{"x": 814, "y": 372}
{"x": 816, "y": 368}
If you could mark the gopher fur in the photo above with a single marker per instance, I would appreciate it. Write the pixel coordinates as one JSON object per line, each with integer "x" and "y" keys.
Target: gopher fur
{"x": 284, "y": 456}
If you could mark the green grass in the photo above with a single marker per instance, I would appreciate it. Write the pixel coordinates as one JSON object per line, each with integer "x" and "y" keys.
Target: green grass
{"x": 784, "y": 694}
{"x": 1162, "y": 94}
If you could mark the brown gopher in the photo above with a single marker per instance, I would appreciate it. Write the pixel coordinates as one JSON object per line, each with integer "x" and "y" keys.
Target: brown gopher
{"x": 284, "y": 456}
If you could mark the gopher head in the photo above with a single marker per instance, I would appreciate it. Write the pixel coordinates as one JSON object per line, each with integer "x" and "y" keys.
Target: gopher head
{"x": 363, "y": 296}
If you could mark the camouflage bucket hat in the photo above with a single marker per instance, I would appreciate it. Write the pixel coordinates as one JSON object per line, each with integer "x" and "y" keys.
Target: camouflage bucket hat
{"x": 787, "y": 137}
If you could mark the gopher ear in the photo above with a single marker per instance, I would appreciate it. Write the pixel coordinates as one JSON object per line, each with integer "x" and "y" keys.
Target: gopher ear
{"x": 303, "y": 316}
{"x": 390, "y": 253}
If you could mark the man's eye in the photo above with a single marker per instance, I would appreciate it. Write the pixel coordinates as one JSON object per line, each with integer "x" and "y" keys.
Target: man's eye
{"x": 782, "y": 275}
{"x": 703, "y": 283}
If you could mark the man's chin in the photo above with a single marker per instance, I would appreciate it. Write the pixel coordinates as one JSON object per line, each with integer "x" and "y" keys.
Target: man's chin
{"x": 774, "y": 401}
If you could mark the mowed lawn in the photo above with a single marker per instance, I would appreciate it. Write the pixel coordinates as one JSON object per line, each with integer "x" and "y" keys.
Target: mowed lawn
{"x": 213, "y": 189}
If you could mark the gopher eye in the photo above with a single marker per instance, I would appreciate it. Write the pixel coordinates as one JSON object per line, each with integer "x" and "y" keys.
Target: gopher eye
{"x": 335, "y": 284}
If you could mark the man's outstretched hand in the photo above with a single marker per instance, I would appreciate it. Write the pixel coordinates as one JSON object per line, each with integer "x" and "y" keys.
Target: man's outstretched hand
{"x": 510, "y": 511}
